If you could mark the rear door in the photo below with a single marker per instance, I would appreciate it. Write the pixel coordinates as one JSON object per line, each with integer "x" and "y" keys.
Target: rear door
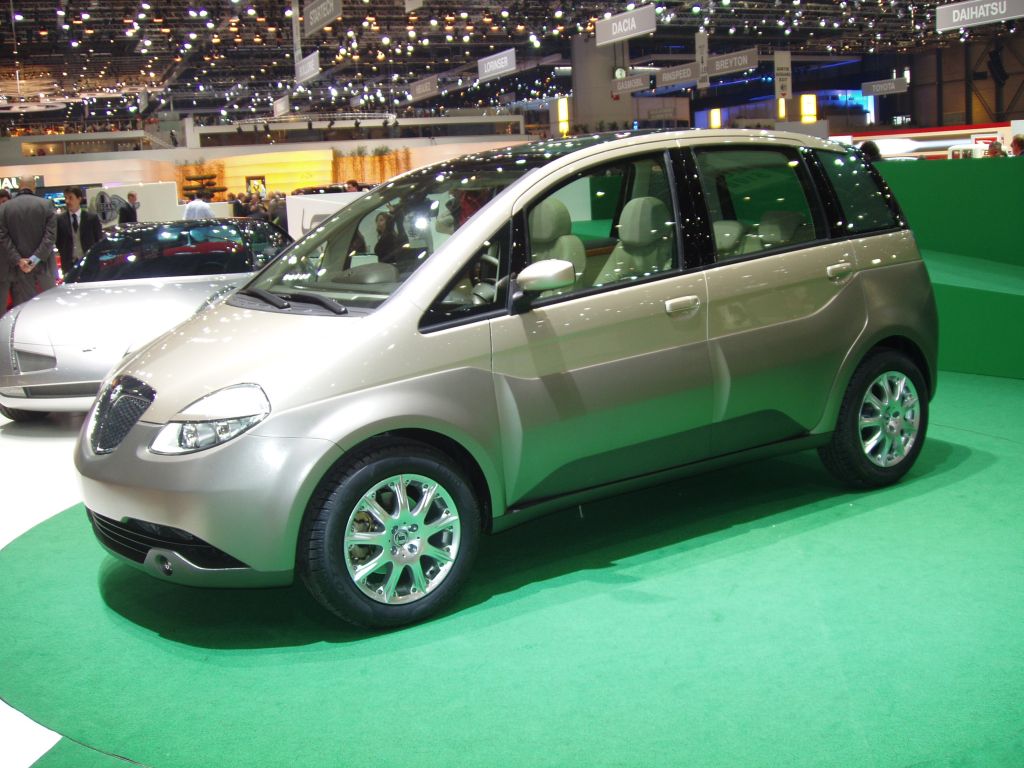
{"x": 783, "y": 308}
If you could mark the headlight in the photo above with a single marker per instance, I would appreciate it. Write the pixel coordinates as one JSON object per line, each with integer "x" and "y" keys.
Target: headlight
{"x": 213, "y": 420}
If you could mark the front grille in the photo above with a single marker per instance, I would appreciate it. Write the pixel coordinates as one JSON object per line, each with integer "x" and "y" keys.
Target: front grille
{"x": 133, "y": 539}
{"x": 118, "y": 409}
{"x": 86, "y": 389}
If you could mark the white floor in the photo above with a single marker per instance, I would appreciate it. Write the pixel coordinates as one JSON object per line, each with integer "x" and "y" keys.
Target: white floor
{"x": 38, "y": 481}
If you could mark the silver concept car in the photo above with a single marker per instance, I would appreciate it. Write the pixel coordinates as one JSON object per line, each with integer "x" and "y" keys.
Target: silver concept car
{"x": 507, "y": 333}
{"x": 139, "y": 281}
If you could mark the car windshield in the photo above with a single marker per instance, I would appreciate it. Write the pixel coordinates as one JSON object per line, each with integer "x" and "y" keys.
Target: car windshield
{"x": 364, "y": 252}
{"x": 176, "y": 249}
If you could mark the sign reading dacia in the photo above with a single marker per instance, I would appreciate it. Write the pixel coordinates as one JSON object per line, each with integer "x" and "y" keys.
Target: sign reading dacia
{"x": 623, "y": 26}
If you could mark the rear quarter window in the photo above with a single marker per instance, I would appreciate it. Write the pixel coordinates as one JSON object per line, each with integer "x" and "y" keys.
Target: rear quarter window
{"x": 865, "y": 204}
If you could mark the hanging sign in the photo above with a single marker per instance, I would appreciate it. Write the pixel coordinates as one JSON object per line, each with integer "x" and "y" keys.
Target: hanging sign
{"x": 975, "y": 12}
{"x": 318, "y": 14}
{"x": 630, "y": 84}
{"x": 497, "y": 65}
{"x": 282, "y": 106}
{"x": 424, "y": 89}
{"x": 687, "y": 73}
{"x": 885, "y": 87}
{"x": 623, "y": 26}
{"x": 701, "y": 47}
{"x": 733, "y": 62}
{"x": 783, "y": 75}
{"x": 308, "y": 68}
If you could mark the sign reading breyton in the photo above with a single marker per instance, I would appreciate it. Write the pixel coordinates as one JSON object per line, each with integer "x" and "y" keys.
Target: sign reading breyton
{"x": 318, "y": 14}
{"x": 885, "y": 87}
{"x": 623, "y": 26}
{"x": 975, "y": 12}
{"x": 497, "y": 65}
{"x": 307, "y": 68}
{"x": 716, "y": 65}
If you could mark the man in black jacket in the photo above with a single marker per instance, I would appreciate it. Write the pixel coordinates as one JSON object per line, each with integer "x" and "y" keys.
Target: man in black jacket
{"x": 128, "y": 213}
{"x": 77, "y": 229}
{"x": 28, "y": 228}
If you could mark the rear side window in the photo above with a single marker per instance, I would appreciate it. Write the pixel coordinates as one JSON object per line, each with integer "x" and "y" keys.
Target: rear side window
{"x": 864, "y": 202}
{"x": 758, "y": 199}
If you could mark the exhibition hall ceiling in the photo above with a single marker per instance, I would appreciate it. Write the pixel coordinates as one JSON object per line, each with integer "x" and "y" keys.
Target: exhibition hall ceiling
{"x": 236, "y": 56}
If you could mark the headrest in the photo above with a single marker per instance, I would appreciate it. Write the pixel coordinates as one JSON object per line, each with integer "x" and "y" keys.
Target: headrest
{"x": 728, "y": 234}
{"x": 549, "y": 221}
{"x": 779, "y": 226}
{"x": 644, "y": 221}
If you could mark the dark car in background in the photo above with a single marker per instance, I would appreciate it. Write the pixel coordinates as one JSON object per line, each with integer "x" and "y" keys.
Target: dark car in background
{"x": 138, "y": 282}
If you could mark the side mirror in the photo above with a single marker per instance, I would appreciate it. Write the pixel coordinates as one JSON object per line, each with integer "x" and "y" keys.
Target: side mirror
{"x": 547, "y": 275}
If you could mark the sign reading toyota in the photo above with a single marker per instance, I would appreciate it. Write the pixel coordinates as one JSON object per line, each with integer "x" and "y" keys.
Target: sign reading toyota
{"x": 975, "y": 12}
{"x": 623, "y": 26}
{"x": 885, "y": 87}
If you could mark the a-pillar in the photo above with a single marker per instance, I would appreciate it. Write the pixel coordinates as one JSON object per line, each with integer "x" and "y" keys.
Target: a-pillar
{"x": 593, "y": 69}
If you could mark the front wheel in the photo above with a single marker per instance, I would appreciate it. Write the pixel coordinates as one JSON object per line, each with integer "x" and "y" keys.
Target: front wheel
{"x": 882, "y": 422}
{"x": 391, "y": 536}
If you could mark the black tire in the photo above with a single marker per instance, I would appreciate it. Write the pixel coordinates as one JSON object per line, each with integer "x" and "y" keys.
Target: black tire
{"x": 882, "y": 422}
{"x": 15, "y": 414}
{"x": 411, "y": 581}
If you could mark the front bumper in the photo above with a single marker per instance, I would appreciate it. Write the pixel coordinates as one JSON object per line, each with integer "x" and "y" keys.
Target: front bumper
{"x": 227, "y": 516}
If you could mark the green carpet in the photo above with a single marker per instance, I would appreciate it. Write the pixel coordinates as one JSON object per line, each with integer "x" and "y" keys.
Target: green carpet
{"x": 756, "y": 616}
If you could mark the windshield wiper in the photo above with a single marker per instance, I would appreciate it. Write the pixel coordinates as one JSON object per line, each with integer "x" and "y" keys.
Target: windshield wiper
{"x": 270, "y": 298}
{"x": 315, "y": 298}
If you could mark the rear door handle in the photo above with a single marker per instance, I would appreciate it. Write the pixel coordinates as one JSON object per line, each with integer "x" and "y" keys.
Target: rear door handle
{"x": 839, "y": 271}
{"x": 684, "y": 304}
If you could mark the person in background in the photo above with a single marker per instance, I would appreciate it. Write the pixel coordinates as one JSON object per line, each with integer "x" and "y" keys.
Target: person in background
{"x": 1017, "y": 145}
{"x": 4, "y": 196}
{"x": 352, "y": 186}
{"x": 28, "y": 230}
{"x": 995, "y": 149}
{"x": 871, "y": 152}
{"x": 128, "y": 213}
{"x": 198, "y": 208}
{"x": 391, "y": 238}
{"x": 77, "y": 229}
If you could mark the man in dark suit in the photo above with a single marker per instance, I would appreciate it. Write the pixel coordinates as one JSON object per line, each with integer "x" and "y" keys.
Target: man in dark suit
{"x": 77, "y": 229}
{"x": 128, "y": 213}
{"x": 28, "y": 229}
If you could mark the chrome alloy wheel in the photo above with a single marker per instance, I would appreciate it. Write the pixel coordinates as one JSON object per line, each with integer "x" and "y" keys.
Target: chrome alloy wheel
{"x": 890, "y": 418}
{"x": 402, "y": 539}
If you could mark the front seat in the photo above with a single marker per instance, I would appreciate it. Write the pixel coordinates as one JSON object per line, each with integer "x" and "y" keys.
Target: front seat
{"x": 551, "y": 235}
{"x": 645, "y": 241}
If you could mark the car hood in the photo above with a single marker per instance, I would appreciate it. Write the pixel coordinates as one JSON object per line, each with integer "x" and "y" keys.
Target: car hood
{"x": 122, "y": 314}
{"x": 296, "y": 358}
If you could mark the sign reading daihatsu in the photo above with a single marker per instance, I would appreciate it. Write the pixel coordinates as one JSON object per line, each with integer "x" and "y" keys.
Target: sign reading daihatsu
{"x": 975, "y": 12}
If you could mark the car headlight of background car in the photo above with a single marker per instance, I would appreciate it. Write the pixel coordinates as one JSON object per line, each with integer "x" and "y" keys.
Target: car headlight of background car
{"x": 213, "y": 420}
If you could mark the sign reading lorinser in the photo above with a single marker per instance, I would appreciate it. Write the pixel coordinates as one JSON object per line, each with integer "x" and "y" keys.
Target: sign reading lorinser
{"x": 318, "y": 14}
{"x": 497, "y": 65}
{"x": 623, "y": 26}
{"x": 975, "y": 12}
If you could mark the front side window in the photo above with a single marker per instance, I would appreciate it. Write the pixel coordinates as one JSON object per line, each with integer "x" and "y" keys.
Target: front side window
{"x": 614, "y": 223}
{"x": 866, "y": 206}
{"x": 166, "y": 250}
{"x": 758, "y": 199}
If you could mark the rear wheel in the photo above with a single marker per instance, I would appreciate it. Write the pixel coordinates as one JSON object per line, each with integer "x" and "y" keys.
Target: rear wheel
{"x": 15, "y": 414}
{"x": 882, "y": 422}
{"x": 391, "y": 536}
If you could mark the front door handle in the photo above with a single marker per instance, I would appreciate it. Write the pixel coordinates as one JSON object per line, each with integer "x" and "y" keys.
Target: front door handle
{"x": 682, "y": 305}
{"x": 839, "y": 271}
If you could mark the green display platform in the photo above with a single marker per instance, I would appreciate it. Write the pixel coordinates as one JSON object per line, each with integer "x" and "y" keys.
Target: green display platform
{"x": 966, "y": 216}
{"x": 757, "y": 616}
